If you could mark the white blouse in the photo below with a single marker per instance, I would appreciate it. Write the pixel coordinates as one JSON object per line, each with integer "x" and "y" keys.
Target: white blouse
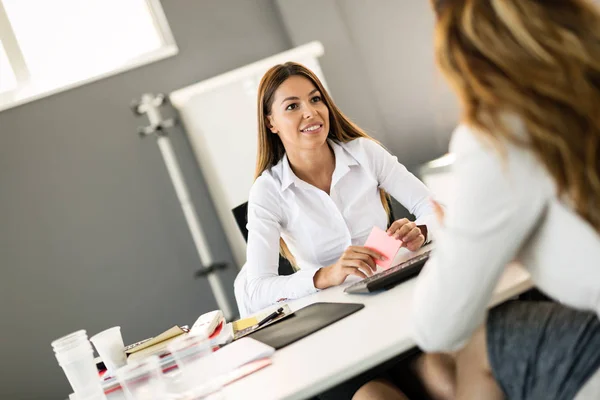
{"x": 317, "y": 227}
{"x": 506, "y": 208}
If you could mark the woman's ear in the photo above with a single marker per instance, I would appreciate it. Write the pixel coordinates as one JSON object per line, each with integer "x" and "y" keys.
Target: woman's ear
{"x": 270, "y": 125}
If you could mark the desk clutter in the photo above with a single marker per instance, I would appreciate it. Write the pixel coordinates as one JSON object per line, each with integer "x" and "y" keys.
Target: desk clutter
{"x": 186, "y": 363}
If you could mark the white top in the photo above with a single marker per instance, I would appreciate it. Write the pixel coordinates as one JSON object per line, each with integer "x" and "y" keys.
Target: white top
{"x": 505, "y": 208}
{"x": 317, "y": 227}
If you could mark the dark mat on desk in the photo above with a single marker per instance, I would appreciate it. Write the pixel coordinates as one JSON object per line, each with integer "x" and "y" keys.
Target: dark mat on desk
{"x": 303, "y": 322}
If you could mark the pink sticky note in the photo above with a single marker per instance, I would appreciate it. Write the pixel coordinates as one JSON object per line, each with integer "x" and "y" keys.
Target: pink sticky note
{"x": 388, "y": 246}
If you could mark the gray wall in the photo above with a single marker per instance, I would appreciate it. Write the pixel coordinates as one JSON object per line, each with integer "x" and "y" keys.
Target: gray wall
{"x": 91, "y": 233}
{"x": 380, "y": 69}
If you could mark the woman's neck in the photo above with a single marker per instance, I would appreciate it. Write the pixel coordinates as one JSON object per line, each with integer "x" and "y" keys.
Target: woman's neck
{"x": 314, "y": 166}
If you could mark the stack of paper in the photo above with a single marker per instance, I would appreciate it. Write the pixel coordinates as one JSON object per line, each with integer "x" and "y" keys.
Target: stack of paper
{"x": 238, "y": 359}
{"x": 155, "y": 345}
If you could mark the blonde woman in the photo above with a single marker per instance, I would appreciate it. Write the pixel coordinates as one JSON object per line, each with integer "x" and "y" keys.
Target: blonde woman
{"x": 527, "y": 73}
{"x": 319, "y": 191}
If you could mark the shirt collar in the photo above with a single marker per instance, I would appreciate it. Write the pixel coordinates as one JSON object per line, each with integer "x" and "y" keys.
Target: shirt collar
{"x": 343, "y": 162}
{"x": 287, "y": 176}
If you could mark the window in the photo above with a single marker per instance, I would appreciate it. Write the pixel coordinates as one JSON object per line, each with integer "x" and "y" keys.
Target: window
{"x": 50, "y": 46}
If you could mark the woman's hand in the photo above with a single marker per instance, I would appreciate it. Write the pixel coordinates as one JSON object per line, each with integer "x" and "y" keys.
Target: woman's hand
{"x": 439, "y": 211}
{"x": 411, "y": 235}
{"x": 356, "y": 260}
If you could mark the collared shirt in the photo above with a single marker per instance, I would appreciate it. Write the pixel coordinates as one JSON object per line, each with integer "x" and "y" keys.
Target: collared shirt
{"x": 506, "y": 207}
{"x": 318, "y": 227}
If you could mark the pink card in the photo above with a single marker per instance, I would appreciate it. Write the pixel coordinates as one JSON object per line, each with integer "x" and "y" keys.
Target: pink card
{"x": 388, "y": 246}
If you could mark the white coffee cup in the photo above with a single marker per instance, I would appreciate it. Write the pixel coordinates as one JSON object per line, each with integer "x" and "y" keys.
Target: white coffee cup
{"x": 110, "y": 347}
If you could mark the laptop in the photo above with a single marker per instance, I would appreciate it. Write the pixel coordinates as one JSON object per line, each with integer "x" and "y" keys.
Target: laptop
{"x": 406, "y": 266}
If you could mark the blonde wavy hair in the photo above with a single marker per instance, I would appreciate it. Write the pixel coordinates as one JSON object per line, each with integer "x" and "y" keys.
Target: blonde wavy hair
{"x": 539, "y": 60}
{"x": 270, "y": 147}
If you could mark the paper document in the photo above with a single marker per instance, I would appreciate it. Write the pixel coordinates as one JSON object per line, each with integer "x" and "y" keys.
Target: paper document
{"x": 241, "y": 352}
{"x": 245, "y": 323}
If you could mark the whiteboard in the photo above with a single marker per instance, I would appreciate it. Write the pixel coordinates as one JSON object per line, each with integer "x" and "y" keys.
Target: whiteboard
{"x": 220, "y": 118}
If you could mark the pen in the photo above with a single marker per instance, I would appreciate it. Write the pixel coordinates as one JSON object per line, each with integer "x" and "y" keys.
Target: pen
{"x": 270, "y": 317}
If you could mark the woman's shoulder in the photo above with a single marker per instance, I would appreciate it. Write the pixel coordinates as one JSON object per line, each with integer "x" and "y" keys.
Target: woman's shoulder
{"x": 361, "y": 144}
{"x": 499, "y": 155}
{"x": 364, "y": 149}
{"x": 468, "y": 138}
{"x": 267, "y": 186}
{"x": 464, "y": 139}
{"x": 469, "y": 141}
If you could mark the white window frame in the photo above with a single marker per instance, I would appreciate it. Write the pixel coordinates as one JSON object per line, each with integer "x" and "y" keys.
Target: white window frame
{"x": 25, "y": 92}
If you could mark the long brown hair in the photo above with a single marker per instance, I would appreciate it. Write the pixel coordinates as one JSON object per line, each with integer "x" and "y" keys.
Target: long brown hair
{"x": 270, "y": 146}
{"x": 538, "y": 60}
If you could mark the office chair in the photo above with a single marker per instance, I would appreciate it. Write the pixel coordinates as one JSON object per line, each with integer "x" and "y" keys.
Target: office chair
{"x": 240, "y": 213}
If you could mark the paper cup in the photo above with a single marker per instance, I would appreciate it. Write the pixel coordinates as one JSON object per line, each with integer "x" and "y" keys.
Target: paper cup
{"x": 110, "y": 347}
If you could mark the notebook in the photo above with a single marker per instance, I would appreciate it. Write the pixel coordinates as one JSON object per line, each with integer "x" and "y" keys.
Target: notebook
{"x": 303, "y": 322}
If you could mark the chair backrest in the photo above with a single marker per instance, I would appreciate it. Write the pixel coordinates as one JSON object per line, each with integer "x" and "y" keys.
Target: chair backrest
{"x": 391, "y": 217}
{"x": 240, "y": 213}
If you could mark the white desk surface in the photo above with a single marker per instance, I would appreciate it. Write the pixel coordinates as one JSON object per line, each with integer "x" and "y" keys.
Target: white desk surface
{"x": 367, "y": 338}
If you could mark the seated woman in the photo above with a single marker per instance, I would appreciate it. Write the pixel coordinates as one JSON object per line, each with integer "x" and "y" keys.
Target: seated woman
{"x": 528, "y": 187}
{"x": 320, "y": 188}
